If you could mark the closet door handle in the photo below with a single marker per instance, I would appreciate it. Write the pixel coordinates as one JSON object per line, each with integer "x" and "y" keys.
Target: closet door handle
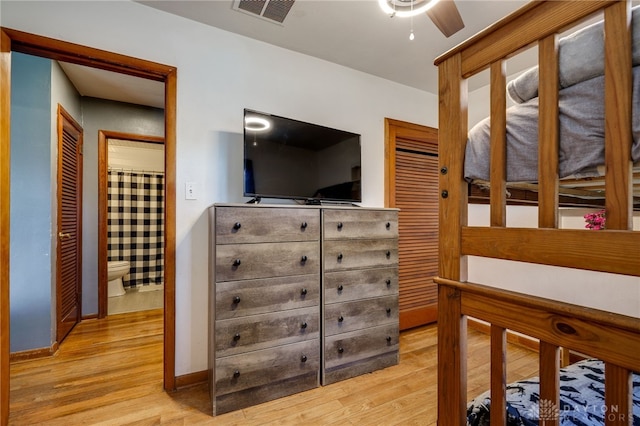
{"x": 64, "y": 235}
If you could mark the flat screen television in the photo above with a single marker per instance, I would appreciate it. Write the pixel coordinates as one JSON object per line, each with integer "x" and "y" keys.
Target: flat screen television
{"x": 287, "y": 158}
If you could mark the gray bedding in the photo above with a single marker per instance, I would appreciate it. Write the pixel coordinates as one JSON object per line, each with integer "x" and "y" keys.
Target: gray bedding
{"x": 581, "y": 135}
{"x": 581, "y": 58}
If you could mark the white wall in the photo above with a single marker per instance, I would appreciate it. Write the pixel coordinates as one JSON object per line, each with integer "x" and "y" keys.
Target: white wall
{"x": 219, "y": 74}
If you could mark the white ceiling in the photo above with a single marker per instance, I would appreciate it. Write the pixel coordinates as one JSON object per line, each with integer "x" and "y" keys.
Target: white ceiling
{"x": 352, "y": 33}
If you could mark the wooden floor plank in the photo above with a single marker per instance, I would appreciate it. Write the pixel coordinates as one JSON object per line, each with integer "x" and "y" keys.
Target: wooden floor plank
{"x": 109, "y": 372}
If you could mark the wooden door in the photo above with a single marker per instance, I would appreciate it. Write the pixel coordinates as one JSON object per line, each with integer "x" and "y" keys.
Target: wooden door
{"x": 69, "y": 252}
{"x": 412, "y": 186}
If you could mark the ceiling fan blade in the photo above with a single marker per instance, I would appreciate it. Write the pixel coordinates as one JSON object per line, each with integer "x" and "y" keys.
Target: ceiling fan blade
{"x": 446, "y": 16}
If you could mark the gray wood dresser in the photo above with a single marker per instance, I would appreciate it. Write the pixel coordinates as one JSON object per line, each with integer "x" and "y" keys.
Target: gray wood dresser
{"x": 299, "y": 296}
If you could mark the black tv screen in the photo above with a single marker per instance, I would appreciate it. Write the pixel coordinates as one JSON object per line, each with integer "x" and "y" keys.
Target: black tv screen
{"x": 287, "y": 158}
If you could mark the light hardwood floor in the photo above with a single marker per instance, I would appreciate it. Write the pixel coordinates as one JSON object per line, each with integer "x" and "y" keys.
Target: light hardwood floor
{"x": 109, "y": 372}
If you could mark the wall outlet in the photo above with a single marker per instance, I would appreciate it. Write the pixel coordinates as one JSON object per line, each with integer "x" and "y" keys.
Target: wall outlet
{"x": 190, "y": 192}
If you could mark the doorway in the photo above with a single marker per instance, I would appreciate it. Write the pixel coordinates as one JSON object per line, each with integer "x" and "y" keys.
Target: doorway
{"x": 17, "y": 41}
{"x": 131, "y": 163}
{"x": 411, "y": 184}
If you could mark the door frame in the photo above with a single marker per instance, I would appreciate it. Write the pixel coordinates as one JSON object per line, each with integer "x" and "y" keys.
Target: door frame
{"x": 103, "y": 232}
{"x": 18, "y": 41}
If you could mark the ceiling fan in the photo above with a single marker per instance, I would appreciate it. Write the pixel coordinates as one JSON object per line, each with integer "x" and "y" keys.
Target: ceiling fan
{"x": 443, "y": 13}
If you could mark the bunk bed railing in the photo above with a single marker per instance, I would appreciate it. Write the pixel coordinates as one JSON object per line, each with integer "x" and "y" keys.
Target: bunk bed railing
{"x": 614, "y": 339}
{"x": 614, "y": 250}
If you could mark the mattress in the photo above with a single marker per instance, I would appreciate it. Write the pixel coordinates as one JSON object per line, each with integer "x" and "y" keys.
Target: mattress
{"x": 581, "y": 400}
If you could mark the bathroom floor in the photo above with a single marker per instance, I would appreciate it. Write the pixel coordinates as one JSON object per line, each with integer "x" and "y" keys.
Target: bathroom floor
{"x": 137, "y": 299}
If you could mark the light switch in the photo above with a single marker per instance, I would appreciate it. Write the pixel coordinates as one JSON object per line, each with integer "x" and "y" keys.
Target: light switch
{"x": 190, "y": 191}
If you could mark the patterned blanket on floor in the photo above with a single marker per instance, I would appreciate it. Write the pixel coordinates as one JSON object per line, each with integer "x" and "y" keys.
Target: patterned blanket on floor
{"x": 581, "y": 400}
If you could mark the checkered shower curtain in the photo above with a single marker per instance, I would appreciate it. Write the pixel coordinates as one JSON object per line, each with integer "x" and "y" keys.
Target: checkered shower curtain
{"x": 136, "y": 225}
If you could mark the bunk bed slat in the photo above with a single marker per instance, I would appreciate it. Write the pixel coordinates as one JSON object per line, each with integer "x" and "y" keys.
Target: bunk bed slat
{"x": 498, "y": 144}
{"x": 498, "y": 376}
{"x": 549, "y": 356}
{"x": 548, "y": 133}
{"x": 606, "y": 251}
{"x": 615, "y": 345}
{"x": 618, "y": 390}
{"x": 618, "y": 137}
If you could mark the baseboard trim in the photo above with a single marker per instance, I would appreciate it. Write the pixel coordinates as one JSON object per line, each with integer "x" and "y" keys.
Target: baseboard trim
{"x": 192, "y": 379}
{"x": 34, "y": 353}
{"x": 512, "y": 337}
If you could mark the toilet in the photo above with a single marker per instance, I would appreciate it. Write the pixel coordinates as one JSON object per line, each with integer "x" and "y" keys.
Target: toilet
{"x": 115, "y": 271}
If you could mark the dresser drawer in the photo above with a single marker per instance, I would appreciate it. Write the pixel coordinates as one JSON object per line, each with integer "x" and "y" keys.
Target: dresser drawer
{"x": 356, "y": 254}
{"x": 350, "y": 316}
{"x": 361, "y": 344}
{"x": 266, "y": 260}
{"x": 254, "y": 369}
{"x": 370, "y": 224}
{"x": 344, "y": 286}
{"x": 235, "y": 225}
{"x": 250, "y": 297}
{"x": 234, "y": 336}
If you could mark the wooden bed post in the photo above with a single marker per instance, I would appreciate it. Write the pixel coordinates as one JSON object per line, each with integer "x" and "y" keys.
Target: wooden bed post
{"x": 452, "y": 337}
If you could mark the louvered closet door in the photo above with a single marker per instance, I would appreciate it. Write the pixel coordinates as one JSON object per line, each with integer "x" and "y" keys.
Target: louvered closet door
{"x": 416, "y": 195}
{"x": 69, "y": 264}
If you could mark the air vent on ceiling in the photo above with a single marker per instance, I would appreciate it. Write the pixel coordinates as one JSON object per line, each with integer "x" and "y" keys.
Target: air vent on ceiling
{"x": 272, "y": 10}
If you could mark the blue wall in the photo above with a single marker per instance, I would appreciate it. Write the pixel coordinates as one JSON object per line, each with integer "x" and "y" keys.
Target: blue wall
{"x": 30, "y": 243}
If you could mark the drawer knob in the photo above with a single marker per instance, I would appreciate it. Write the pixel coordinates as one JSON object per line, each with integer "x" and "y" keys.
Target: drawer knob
{"x": 303, "y": 225}
{"x": 303, "y": 259}
{"x": 340, "y": 225}
{"x": 340, "y": 350}
{"x": 303, "y": 325}
{"x": 340, "y": 318}
{"x": 388, "y": 281}
{"x": 388, "y": 311}
{"x": 388, "y": 225}
{"x": 303, "y": 358}
{"x": 303, "y": 292}
{"x": 237, "y": 226}
{"x": 236, "y": 300}
{"x": 236, "y": 374}
{"x": 389, "y": 339}
{"x": 388, "y": 253}
{"x": 340, "y": 288}
{"x": 236, "y": 337}
{"x": 340, "y": 256}
{"x": 236, "y": 262}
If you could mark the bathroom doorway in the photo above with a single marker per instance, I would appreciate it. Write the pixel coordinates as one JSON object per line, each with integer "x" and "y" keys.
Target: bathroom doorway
{"x": 17, "y": 41}
{"x": 131, "y": 212}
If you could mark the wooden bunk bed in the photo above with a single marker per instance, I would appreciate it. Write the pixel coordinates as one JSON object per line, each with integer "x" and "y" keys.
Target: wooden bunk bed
{"x": 612, "y": 338}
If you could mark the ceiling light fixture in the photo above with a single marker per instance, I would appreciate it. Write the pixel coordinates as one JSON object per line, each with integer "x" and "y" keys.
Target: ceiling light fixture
{"x": 406, "y": 8}
{"x": 256, "y": 124}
